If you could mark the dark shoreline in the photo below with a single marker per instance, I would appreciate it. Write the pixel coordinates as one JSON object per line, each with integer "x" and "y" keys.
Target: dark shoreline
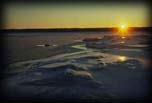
{"x": 73, "y": 30}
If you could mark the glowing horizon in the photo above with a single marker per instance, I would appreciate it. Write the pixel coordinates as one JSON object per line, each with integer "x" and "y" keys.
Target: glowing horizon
{"x": 23, "y": 16}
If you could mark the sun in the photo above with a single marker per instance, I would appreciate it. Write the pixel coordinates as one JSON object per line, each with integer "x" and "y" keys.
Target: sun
{"x": 123, "y": 26}
{"x": 123, "y": 30}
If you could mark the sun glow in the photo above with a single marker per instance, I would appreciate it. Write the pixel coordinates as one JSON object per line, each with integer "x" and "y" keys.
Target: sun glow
{"x": 123, "y": 26}
{"x": 123, "y": 29}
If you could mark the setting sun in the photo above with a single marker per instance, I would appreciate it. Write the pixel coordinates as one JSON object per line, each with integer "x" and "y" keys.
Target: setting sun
{"x": 123, "y": 30}
{"x": 123, "y": 26}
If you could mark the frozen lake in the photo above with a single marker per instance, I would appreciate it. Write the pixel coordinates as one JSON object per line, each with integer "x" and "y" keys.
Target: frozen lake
{"x": 86, "y": 73}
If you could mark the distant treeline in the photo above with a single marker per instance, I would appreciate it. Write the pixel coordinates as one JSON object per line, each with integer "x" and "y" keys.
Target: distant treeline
{"x": 73, "y": 30}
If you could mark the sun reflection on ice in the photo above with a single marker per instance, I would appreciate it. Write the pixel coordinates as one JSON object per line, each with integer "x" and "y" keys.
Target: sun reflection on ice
{"x": 122, "y": 42}
{"x": 122, "y": 58}
{"x": 123, "y": 37}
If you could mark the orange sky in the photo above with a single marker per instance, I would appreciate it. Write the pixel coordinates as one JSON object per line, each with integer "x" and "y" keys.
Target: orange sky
{"x": 19, "y": 16}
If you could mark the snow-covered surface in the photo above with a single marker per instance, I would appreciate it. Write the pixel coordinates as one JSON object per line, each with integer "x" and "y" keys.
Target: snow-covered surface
{"x": 86, "y": 74}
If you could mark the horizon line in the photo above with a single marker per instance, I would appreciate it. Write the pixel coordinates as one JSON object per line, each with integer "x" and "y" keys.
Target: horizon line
{"x": 71, "y": 28}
